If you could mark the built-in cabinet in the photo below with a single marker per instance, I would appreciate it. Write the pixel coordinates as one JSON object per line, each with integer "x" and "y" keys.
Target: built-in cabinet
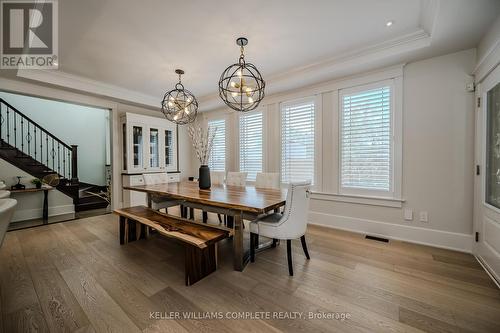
{"x": 149, "y": 144}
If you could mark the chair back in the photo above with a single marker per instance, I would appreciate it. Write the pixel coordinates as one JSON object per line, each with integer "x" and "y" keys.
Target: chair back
{"x": 4, "y": 194}
{"x": 294, "y": 220}
{"x": 236, "y": 178}
{"x": 7, "y": 207}
{"x": 155, "y": 178}
{"x": 268, "y": 180}
{"x": 217, "y": 177}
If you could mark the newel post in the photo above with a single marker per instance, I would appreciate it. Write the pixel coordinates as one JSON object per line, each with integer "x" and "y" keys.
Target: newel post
{"x": 74, "y": 164}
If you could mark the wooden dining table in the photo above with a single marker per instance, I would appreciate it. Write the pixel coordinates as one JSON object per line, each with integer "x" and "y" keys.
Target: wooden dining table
{"x": 236, "y": 202}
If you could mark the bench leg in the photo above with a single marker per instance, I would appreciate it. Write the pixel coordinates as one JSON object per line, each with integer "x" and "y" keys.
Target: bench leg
{"x": 205, "y": 217}
{"x": 199, "y": 263}
{"x": 132, "y": 230}
{"x": 122, "y": 223}
{"x": 191, "y": 213}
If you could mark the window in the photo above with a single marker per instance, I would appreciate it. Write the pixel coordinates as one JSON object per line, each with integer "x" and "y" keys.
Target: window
{"x": 217, "y": 161}
{"x": 251, "y": 144}
{"x": 297, "y": 140}
{"x": 366, "y": 140}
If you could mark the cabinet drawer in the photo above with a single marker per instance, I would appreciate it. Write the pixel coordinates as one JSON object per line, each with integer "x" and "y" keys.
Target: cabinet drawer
{"x": 174, "y": 177}
{"x": 136, "y": 180}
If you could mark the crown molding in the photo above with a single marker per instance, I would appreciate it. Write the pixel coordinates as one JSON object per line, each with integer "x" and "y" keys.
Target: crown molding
{"x": 89, "y": 86}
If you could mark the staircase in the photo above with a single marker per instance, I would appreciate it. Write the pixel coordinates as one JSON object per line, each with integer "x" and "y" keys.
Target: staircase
{"x": 33, "y": 149}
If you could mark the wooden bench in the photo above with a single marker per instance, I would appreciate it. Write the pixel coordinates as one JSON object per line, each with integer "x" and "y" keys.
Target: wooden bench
{"x": 199, "y": 239}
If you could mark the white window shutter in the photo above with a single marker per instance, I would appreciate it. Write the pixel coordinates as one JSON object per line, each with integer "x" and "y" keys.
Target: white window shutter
{"x": 366, "y": 139}
{"x": 251, "y": 139}
{"x": 217, "y": 160}
{"x": 297, "y": 140}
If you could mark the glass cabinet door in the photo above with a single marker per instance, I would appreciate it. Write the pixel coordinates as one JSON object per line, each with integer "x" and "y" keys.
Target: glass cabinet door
{"x": 169, "y": 156}
{"x": 154, "y": 149}
{"x": 493, "y": 147}
{"x": 138, "y": 145}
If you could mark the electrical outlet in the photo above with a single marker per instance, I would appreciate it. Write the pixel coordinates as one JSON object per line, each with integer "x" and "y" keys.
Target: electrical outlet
{"x": 424, "y": 216}
{"x": 408, "y": 214}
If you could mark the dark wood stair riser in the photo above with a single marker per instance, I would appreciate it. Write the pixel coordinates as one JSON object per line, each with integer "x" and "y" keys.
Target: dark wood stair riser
{"x": 33, "y": 167}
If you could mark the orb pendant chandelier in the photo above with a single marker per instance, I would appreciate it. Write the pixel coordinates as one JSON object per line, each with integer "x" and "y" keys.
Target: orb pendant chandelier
{"x": 179, "y": 105}
{"x": 241, "y": 86}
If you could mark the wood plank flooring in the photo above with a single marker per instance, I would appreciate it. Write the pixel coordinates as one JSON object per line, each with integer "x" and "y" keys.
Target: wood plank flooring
{"x": 75, "y": 277}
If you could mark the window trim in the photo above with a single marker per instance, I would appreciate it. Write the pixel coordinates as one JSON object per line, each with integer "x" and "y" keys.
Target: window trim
{"x": 238, "y": 136}
{"x": 396, "y": 142}
{"x": 318, "y": 148}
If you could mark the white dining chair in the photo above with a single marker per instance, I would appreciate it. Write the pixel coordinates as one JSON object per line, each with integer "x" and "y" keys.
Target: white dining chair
{"x": 7, "y": 208}
{"x": 157, "y": 201}
{"x": 268, "y": 180}
{"x": 290, "y": 225}
{"x": 236, "y": 178}
{"x": 3, "y": 186}
{"x": 4, "y": 194}
{"x": 217, "y": 177}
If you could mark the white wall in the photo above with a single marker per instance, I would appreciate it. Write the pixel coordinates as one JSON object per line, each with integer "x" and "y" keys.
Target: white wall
{"x": 29, "y": 205}
{"x": 438, "y": 132}
{"x": 74, "y": 125}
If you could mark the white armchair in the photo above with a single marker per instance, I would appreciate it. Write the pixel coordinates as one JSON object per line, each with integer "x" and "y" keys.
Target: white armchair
{"x": 157, "y": 201}
{"x": 290, "y": 225}
{"x": 4, "y": 194}
{"x": 7, "y": 207}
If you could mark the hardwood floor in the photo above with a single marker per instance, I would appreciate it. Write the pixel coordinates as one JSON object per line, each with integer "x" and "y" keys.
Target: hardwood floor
{"x": 75, "y": 277}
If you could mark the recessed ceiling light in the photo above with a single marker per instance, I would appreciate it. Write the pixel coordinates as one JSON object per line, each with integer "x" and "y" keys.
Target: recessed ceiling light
{"x": 389, "y": 23}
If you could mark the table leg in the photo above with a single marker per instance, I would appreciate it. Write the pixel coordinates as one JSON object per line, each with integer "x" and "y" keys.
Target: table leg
{"x": 45, "y": 207}
{"x": 148, "y": 200}
{"x": 240, "y": 255}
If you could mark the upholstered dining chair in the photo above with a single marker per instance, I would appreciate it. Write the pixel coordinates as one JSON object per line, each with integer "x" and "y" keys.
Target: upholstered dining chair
{"x": 7, "y": 207}
{"x": 157, "y": 201}
{"x": 218, "y": 178}
{"x": 236, "y": 178}
{"x": 4, "y": 194}
{"x": 290, "y": 225}
{"x": 268, "y": 180}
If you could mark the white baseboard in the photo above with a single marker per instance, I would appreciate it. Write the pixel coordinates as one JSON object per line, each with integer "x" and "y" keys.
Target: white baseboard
{"x": 490, "y": 271}
{"x": 437, "y": 238}
{"x": 30, "y": 214}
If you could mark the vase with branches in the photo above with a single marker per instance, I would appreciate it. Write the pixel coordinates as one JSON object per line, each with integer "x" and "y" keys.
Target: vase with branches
{"x": 203, "y": 141}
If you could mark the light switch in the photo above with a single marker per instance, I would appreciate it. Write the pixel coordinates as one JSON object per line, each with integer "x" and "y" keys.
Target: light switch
{"x": 424, "y": 216}
{"x": 408, "y": 214}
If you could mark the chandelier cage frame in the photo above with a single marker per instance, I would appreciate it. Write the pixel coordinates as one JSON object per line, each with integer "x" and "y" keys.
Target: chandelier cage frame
{"x": 179, "y": 105}
{"x": 241, "y": 85}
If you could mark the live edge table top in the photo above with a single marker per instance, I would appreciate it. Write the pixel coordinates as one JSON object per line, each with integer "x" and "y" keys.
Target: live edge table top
{"x": 242, "y": 198}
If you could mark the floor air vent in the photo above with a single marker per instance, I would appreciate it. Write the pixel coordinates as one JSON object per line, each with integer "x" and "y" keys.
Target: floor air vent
{"x": 378, "y": 239}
